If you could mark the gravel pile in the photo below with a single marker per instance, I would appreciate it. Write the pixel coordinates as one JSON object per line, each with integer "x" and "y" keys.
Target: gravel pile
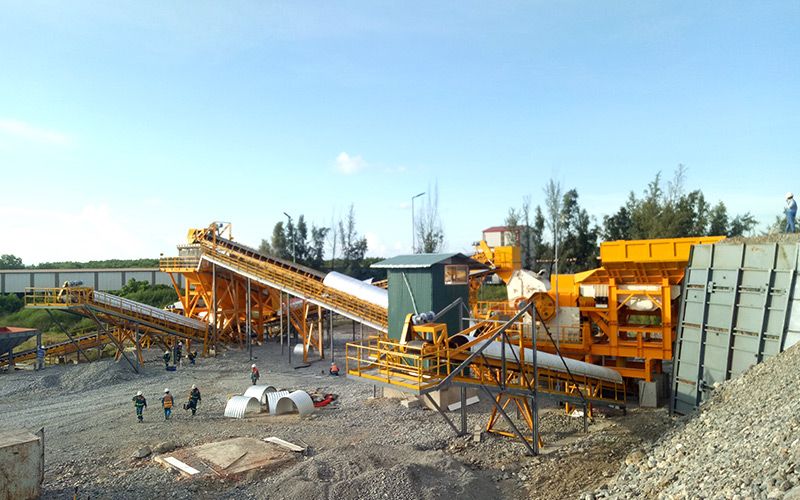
{"x": 743, "y": 443}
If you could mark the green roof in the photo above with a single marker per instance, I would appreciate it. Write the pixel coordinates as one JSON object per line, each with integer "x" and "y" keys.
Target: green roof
{"x": 425, "y": 260}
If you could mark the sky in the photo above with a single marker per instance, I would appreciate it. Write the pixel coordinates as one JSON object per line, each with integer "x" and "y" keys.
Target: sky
{"x": 125, "y": 123}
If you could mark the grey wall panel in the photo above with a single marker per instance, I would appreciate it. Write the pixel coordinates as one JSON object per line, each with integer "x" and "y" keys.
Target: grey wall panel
{"x": 17, "y": 282}
{"x": 45, "y": 280}
{"x": 139, "y": 276}
{"x": 107, "y": 281}
{"x": 749, "y": 314}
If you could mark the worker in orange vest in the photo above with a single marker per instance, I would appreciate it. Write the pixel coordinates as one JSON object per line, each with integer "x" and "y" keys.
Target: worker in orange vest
{"x": 334, "y": 369}
{"x": 166, "y": 403}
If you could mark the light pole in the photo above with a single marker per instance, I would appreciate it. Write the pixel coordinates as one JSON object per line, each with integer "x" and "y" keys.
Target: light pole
{"x": 413, "y": 220}
{"x": 292, "y": 228}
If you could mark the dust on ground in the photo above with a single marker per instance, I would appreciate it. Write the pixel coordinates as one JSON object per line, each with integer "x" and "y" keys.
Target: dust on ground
{"x": 361, "y": 447}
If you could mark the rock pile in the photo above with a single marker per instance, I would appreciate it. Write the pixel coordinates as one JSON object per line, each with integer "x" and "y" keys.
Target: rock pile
{"x": 743, "y": 443}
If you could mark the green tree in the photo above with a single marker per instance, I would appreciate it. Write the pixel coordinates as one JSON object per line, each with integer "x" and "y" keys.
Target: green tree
{"x": 430, "y": 235}
{"x": 579, "y": 248}
{"x": 317, "y": 249}
{"x": 279, "y": 243}
{"x": 718, "y": 220}
{"x": 8, "y": 261}
{"x": 354, "y": 247}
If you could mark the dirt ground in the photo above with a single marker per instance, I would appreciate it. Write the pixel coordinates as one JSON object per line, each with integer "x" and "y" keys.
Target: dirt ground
{"x": 360, "y": 447}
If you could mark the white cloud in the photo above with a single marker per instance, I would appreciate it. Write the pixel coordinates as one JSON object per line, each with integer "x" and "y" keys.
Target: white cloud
{"x": 20, "y": 130}
{"x": 77, "y": 233}
{"x": 349, "y": 165}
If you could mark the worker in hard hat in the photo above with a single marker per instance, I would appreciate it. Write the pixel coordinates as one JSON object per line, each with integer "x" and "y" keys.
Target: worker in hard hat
{"x": 191, "y": 355}
{"x": 166, "y": 403}
{"x": 166, "y": 359}
{"x": 254, "y": 375}
{"x": 140, "y": 403}
{"x": 179, "y": 354}
{"x": 334, "y": 370}
{"x": 791, "y": 212}
{"x": 194, "y": 399}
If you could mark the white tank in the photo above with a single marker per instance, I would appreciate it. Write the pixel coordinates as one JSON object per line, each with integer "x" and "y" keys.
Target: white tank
{"x": 356, "y": 288}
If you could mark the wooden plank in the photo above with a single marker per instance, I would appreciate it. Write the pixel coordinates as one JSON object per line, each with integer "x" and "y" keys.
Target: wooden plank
{"x": 285, "y": 444}
{"x": 236, "y": 458}
{"x": 188, "y": 469}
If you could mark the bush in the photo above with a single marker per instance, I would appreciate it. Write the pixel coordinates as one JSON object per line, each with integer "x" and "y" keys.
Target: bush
{"x": 10, "y": 304}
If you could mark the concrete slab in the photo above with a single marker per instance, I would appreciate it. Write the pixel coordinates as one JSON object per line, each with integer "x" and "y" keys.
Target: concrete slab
{"x": 230, "y": 458}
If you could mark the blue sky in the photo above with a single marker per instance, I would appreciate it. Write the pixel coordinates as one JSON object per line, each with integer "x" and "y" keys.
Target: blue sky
{"x": 123, "y": 124}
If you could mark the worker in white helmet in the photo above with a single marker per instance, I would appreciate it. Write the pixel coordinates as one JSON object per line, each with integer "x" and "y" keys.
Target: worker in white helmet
{"x": 254, "y": 375}
{"x": 166, "y": 403}
{"x": 166, "y": 359}
{"x": 791, "y": 212}
{"x": 194, "y": 399}
{"x": 140, "y": 403}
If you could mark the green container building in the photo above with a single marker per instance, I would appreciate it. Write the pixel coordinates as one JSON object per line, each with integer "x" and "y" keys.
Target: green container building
{"x": 427, "y": 282}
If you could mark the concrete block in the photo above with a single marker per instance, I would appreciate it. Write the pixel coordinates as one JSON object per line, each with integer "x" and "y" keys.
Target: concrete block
{"x": 392, "y": 393}
{"x": 653, "y": 394}
{"x": 447, "y": 397}
{"x": 410, "y": 403}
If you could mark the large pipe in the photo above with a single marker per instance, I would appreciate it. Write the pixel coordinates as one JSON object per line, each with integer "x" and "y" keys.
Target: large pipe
{"x": 356, "y": 288}
{"x": 543, "y": 359}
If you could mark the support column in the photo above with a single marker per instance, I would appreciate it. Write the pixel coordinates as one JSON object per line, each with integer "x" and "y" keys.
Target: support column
{"x": 330, "y": 334}
{"x": 249, "y": 311}
{"x": 214, "y": 305}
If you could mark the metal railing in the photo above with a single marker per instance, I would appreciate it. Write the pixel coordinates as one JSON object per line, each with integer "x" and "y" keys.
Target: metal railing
{"x": 83, "y": 300}
{"x": 297, "y": 283}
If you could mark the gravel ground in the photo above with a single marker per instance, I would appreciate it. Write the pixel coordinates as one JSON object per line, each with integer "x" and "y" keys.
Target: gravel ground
{"x": 359, "y": 448}
{"x": 744, "y": 443}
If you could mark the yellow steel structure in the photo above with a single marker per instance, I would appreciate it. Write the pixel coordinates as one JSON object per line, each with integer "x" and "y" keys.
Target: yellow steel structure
{"x": 219, "y": 269}
{"x": 424, "y": 360}
{"x": 611, "y": 331}
{"x": 121, "y": 321}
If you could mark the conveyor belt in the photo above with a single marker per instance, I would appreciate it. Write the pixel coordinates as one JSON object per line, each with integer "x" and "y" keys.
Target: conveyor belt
{"x": 294, "y": 279}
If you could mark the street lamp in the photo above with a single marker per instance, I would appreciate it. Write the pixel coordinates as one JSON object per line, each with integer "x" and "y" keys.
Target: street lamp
{"x": 413, "y": 220}
{"x": 292, "y": 227}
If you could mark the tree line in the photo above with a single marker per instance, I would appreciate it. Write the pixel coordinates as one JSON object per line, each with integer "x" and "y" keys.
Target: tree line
{"x": 573, "y": 235}
{"x": 347, "y": 248}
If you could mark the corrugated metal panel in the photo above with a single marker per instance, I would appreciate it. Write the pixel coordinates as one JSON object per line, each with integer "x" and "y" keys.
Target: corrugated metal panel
{"x": 400, "y": 299}
{"x": 109, "y": 281}
{"x": 45, "y": 280}
{"x": 739, "y": 308}
{"x": 420, "y": 260}
{"x": 139, "y": 276}
{"x": 239, "y": 406}
{"x": 296, "y": 400}
{"x": 272, "y": 400}
{"x": 16, "y": 283}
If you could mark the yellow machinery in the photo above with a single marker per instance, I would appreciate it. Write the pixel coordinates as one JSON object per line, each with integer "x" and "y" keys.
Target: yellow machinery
{"x": 620, "y": 315}
{"x": 486, "y": 356}
{"x": 227, "y": 283}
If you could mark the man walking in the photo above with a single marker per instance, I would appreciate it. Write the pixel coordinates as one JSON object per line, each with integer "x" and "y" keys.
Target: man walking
{"x": 140, "y": 403}
{"x": 791, "y": 212}
{"x": 194, "y": 398}
{"x": 166, "y": 359}
{"x": 254, "y": 375}
{"x": 166, "y": 403}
